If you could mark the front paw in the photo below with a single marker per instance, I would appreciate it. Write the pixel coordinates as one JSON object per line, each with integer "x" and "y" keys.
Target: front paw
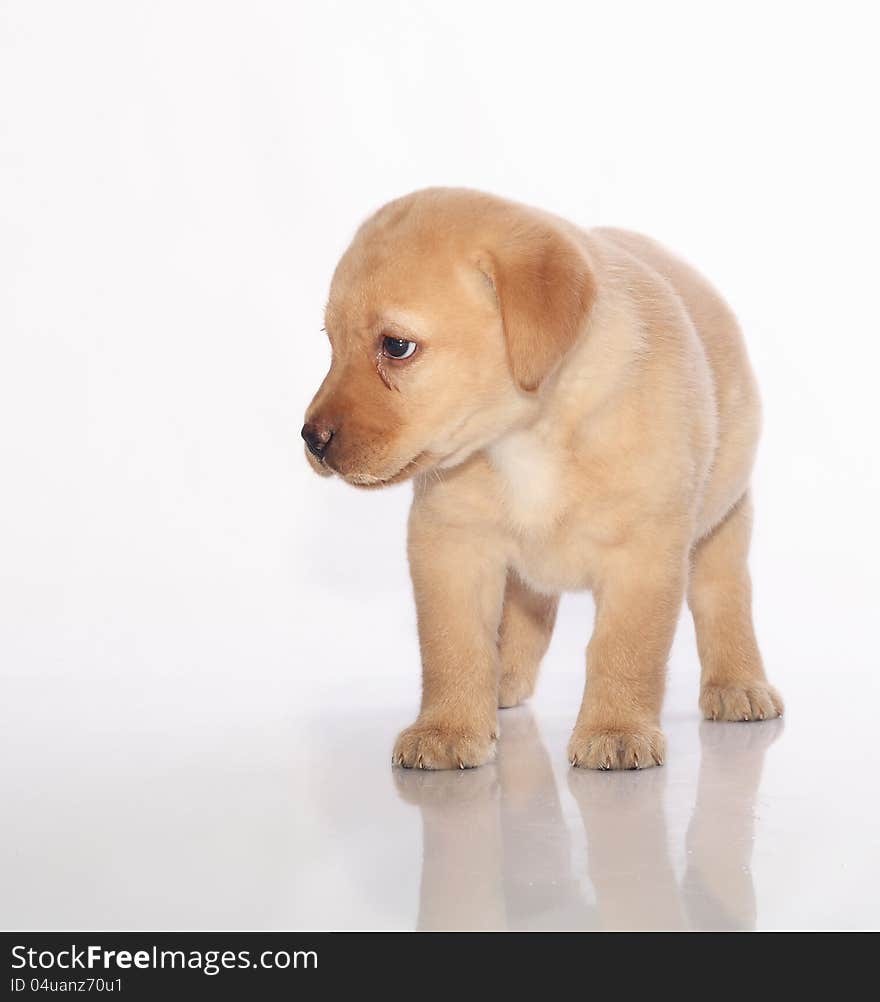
{"x": 631, "y": 748}
{"x": 438, "y": 746}
{"x": 753, "y": 701}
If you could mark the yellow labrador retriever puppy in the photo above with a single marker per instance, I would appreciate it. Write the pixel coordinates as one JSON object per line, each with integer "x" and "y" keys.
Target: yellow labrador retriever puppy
{"x": 577, "y": 410}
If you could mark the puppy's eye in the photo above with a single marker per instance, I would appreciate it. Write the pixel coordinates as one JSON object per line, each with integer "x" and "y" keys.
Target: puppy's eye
{"x": 397, "y": 347}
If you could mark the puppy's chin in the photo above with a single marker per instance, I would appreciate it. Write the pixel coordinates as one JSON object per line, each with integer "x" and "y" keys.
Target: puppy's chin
{"x": 365, "y": 481}
{"x": 370, "y": 481}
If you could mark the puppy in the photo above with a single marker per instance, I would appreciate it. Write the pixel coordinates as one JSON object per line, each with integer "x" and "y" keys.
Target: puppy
{"x": 577, "y": 410}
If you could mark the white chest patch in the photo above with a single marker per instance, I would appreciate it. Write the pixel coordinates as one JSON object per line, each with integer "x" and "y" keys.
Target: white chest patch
{"x": 530, "y": 478}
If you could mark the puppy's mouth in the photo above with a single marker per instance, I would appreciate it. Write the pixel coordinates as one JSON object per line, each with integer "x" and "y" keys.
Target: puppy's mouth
{"x": 324, "y": 466}
{"x": 423, "y": 461}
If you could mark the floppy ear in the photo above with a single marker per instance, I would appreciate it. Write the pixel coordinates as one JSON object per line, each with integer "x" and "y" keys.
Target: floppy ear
{"x": 545, "y": 288}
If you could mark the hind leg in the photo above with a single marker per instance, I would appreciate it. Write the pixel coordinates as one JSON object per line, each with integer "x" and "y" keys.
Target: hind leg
{"x": 733, "y": 685}
{"x": 526, "y": 628}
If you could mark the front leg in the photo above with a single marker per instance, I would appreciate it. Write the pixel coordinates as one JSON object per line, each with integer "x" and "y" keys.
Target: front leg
{"x": 637, "y": 607}
{"x": 458, "y": 578}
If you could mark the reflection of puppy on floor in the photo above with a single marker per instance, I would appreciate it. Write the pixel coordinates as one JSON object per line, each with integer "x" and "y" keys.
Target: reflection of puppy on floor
{"x": 577, "y": 410}
{"x": 497, "y": 850}
{"x": 462, "y": 886}
{"x": 718, "y": 889}
{"x": 628, "y": 850}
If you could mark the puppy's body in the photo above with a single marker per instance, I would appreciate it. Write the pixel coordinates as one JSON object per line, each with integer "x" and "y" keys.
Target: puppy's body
{"x": 627, "y": 435}
{"x": 584, "y": 417}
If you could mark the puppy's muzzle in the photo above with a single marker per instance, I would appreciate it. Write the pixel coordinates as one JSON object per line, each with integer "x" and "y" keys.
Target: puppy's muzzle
{"x": 317, "y": 438}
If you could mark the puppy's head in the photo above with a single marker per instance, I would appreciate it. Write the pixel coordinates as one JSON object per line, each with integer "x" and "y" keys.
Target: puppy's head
{"x": 446, "y": 314}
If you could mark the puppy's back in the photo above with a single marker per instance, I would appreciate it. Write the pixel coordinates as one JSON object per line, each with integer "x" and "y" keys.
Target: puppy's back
{"x": 736, "y": 392}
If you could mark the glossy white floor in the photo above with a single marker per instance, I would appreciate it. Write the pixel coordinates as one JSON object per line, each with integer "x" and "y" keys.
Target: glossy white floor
{"x": 209, "y": 788}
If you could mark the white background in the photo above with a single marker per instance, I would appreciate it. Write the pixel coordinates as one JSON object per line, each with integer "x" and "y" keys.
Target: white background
{"x": 177, "y": 591}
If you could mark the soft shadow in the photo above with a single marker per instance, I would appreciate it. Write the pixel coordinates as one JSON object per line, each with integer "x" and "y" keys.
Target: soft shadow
{"x": 497, "y": 850}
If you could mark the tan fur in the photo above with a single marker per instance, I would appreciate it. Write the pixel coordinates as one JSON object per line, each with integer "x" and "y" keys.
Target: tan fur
{"x": 579, "y": 414}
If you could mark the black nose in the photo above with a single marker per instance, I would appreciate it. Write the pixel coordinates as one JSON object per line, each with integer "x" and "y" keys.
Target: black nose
{"x": 317, "y": 438}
